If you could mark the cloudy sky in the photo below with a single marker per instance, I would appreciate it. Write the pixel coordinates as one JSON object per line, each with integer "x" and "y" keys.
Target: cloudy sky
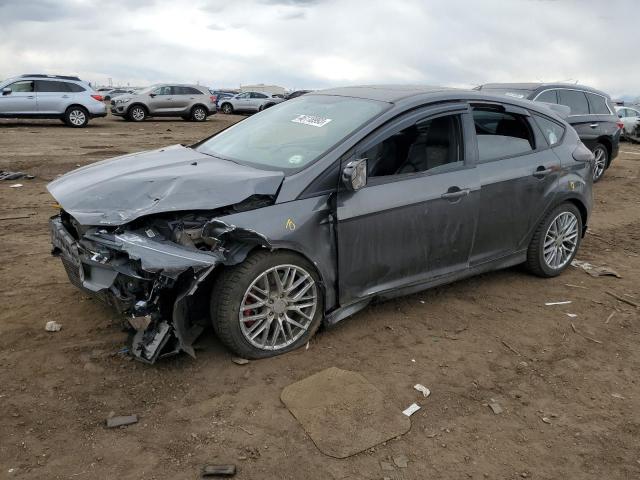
{"x": 319, "y": 43}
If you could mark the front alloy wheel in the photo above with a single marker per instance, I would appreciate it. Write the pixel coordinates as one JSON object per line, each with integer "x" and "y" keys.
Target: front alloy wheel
{"x": 601, "y": 156}
{"x": 269, "y": 304}
{"x": 137, "y": 113}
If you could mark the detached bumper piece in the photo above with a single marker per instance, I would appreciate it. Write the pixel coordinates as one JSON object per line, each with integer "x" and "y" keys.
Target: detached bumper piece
{"x": 150, "y": 280}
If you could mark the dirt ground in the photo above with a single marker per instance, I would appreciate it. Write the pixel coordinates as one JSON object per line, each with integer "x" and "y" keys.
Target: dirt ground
{"x": 570, "y": 394}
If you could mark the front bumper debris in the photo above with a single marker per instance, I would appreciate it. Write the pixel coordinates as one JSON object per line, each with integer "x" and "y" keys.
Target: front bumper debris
{"x": 151, "y": 281}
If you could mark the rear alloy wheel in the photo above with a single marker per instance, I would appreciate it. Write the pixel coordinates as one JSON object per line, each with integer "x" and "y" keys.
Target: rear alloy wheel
{"x": 137, "y": 113}
{"x": 269, "y": 304}
{"x": 198, "y": 114}
{"x": 601, "y": 155}
{"x": 555, "y": 242}
{"x": 227, "y": 108}
{"x": 76, "y": 117}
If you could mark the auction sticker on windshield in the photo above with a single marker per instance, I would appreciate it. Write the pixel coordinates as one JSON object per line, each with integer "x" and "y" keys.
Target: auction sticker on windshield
{"x": 312, "y": 120}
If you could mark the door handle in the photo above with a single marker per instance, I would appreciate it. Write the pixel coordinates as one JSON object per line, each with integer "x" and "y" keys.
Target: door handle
{"x": 65, "y": 96}
{"x": 30, "y": 96}
{"x": 593, "y": 125}
{"x": 452, "y": 194}
{"x": 542, "y": 172}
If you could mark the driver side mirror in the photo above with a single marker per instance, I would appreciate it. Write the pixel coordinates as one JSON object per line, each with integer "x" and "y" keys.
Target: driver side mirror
{"x": 354, "y": 175}
{"x": 6, "y": 90}
{"x": 152, "y": 95}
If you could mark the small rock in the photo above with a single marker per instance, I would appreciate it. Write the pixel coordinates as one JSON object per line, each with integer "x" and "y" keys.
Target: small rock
{"x": 617, "y": 395}
{"x": 401, "y": 461}
{"x": 53, "y": 326}
{"x": 546, "y": 420}
{"x": 497, "y": 409}
{"x": 113, "y": 422}
{"x": 239, "y": 360}
{"x": 386, "y": 467}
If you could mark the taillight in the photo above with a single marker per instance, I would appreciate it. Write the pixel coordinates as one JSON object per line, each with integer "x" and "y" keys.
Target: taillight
{"x": 97, "y": 97}
{"x": 213, "y": 98}
{"x": 620, "y": 124}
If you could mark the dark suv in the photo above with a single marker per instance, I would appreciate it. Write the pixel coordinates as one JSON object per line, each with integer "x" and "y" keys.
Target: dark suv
{"x": 592, "y": 114}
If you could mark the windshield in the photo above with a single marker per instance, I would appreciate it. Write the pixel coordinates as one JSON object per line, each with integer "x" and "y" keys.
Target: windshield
{"x": 510, "y": 92}
{"x": 292, "y": 134}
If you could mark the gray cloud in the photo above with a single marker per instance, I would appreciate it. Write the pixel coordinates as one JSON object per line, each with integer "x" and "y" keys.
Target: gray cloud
{"x": 315, "y": 44}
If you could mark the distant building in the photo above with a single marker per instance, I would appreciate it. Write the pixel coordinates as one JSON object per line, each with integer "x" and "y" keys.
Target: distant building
{"x": 261, "y": 87}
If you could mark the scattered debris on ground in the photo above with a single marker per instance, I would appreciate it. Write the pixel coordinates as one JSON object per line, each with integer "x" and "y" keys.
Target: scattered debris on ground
{"x": 53, "y": 326}
{"x": 239, "y": 360}
{"x": 218, "y": 471}
{"x": 411, "y": 409}
{"x": 401, "y": 461}
{"x": 421, "y": 388}
{"x": 495, "y": 408}
{"x": 121, "y": 421}
{"x": 564, "y": 302}
{"x": 6, "y": 175}
{"x": 594, "y": 270}
{"x": 622, "y": 299}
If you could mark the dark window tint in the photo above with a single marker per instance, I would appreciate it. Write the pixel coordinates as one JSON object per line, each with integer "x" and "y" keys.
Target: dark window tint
{"x": 501, "y": 134}
{"x": 551, "y": 130}
{"x": 51, "y": 86}
{"x": 598, "y": 104}
{"x": 22, "y": 86}
{"x": 258, "y": 95}
{"x": 550, "y": 96}
{"x": 419, "y": 148}
{"x": 74, "y": 87}
{"x": 575, "y": 100}
{"x": 187, "y": 91}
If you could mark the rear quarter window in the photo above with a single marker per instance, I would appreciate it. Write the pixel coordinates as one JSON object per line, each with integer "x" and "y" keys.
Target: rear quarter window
{"x": 73, "y": 87}
{"x": 598, "y": 104}
{"x": 552, "y": 131}
{"x": 550, "y": 96}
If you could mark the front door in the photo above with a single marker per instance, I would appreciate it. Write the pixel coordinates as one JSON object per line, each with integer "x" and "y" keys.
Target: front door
{"x": 415, "y": 219}
{"x": 20, "y": 100}
{"x": 160, "y": 100}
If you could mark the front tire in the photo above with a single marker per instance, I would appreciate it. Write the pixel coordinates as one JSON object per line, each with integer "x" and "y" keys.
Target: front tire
{"x": 270, "y": 304}
{"x": 76, "y": 117}
{"x": 601, "y": 155}
{"x": 227, "y": 108}
{"x": 555, "y": 242}
{"x": 137, "y": 113}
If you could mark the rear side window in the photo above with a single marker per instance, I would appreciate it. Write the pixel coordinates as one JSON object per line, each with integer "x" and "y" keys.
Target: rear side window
{"x": 550, "y": 96}
{"x": 551, "y": 130}
{"x": 51, "y": 86}
{"x": 74, "y": 87}
{"x": 258, "y": 95}
{"x": 575, "y": 100}
{"x": 186, "y": 91}
{"x": 502, "y": 134}
{"x": 598, "y": 104}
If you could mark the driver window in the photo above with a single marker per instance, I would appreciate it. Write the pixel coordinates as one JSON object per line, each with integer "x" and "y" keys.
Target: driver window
{"x": 165, "y": 90}
{"x": 422, "y": 147}
{"x": 22, "y": 86}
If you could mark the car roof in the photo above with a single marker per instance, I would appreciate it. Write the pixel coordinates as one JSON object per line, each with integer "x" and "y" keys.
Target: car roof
{"x": 382, "y": 93}
{"x": 542, "y": 85}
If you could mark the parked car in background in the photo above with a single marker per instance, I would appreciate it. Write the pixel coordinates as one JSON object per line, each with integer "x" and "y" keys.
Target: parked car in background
{"x": 630, "y": 117}
{"x": 114, "y": 93}
{"x": 191, "y": 102}
{"x": 249, "y": 102}
{"x": 50, "y": 96}
{"x": 296, "y": 94}
{"x": 592, "y": 114}
{"x": 221, "y": 95}
{"x": 311, "y": 210}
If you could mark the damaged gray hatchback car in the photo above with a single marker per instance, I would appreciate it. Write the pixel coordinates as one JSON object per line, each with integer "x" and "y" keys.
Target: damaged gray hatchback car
{"x": 306, "y": 212}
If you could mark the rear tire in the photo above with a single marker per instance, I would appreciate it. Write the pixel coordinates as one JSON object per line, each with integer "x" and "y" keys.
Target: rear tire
{"x": 555, "y": 242}
{"x": 76, "y": 117}
{"x": 243, "y": 286}
{"x": 198, "y": 113}
{"x": 137, "y": 113}
{"x": 601, "y": 155}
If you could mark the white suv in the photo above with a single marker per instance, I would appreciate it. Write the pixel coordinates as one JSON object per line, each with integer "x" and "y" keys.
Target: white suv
{"x": 249, "y": 102}
{"x": 50, "y": 96}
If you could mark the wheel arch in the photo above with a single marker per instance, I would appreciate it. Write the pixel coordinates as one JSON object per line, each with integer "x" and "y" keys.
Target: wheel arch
{"x": 76, "y": 105}
{"x": 226, "y": 103}
{"x": 199, "y": 105}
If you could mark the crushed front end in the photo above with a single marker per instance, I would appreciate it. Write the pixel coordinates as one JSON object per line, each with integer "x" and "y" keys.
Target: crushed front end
{"x": 150, "y": 272}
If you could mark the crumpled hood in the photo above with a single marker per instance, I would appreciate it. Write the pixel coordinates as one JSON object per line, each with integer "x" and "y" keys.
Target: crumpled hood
{"x": 176, "y": 178}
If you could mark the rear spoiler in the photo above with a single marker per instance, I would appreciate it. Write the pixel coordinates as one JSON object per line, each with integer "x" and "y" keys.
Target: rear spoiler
{"x": 561, "y": 110}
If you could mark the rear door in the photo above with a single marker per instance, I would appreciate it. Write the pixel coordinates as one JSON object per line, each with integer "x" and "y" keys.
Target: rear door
{"x": 53, "y": 96}
{"x": 517, "y": 172}
{"x": 21, "y": 99}
{"x": 415, "y": 219}
{"x": 581, "y": 120}
{"x": 257, "y": 100}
